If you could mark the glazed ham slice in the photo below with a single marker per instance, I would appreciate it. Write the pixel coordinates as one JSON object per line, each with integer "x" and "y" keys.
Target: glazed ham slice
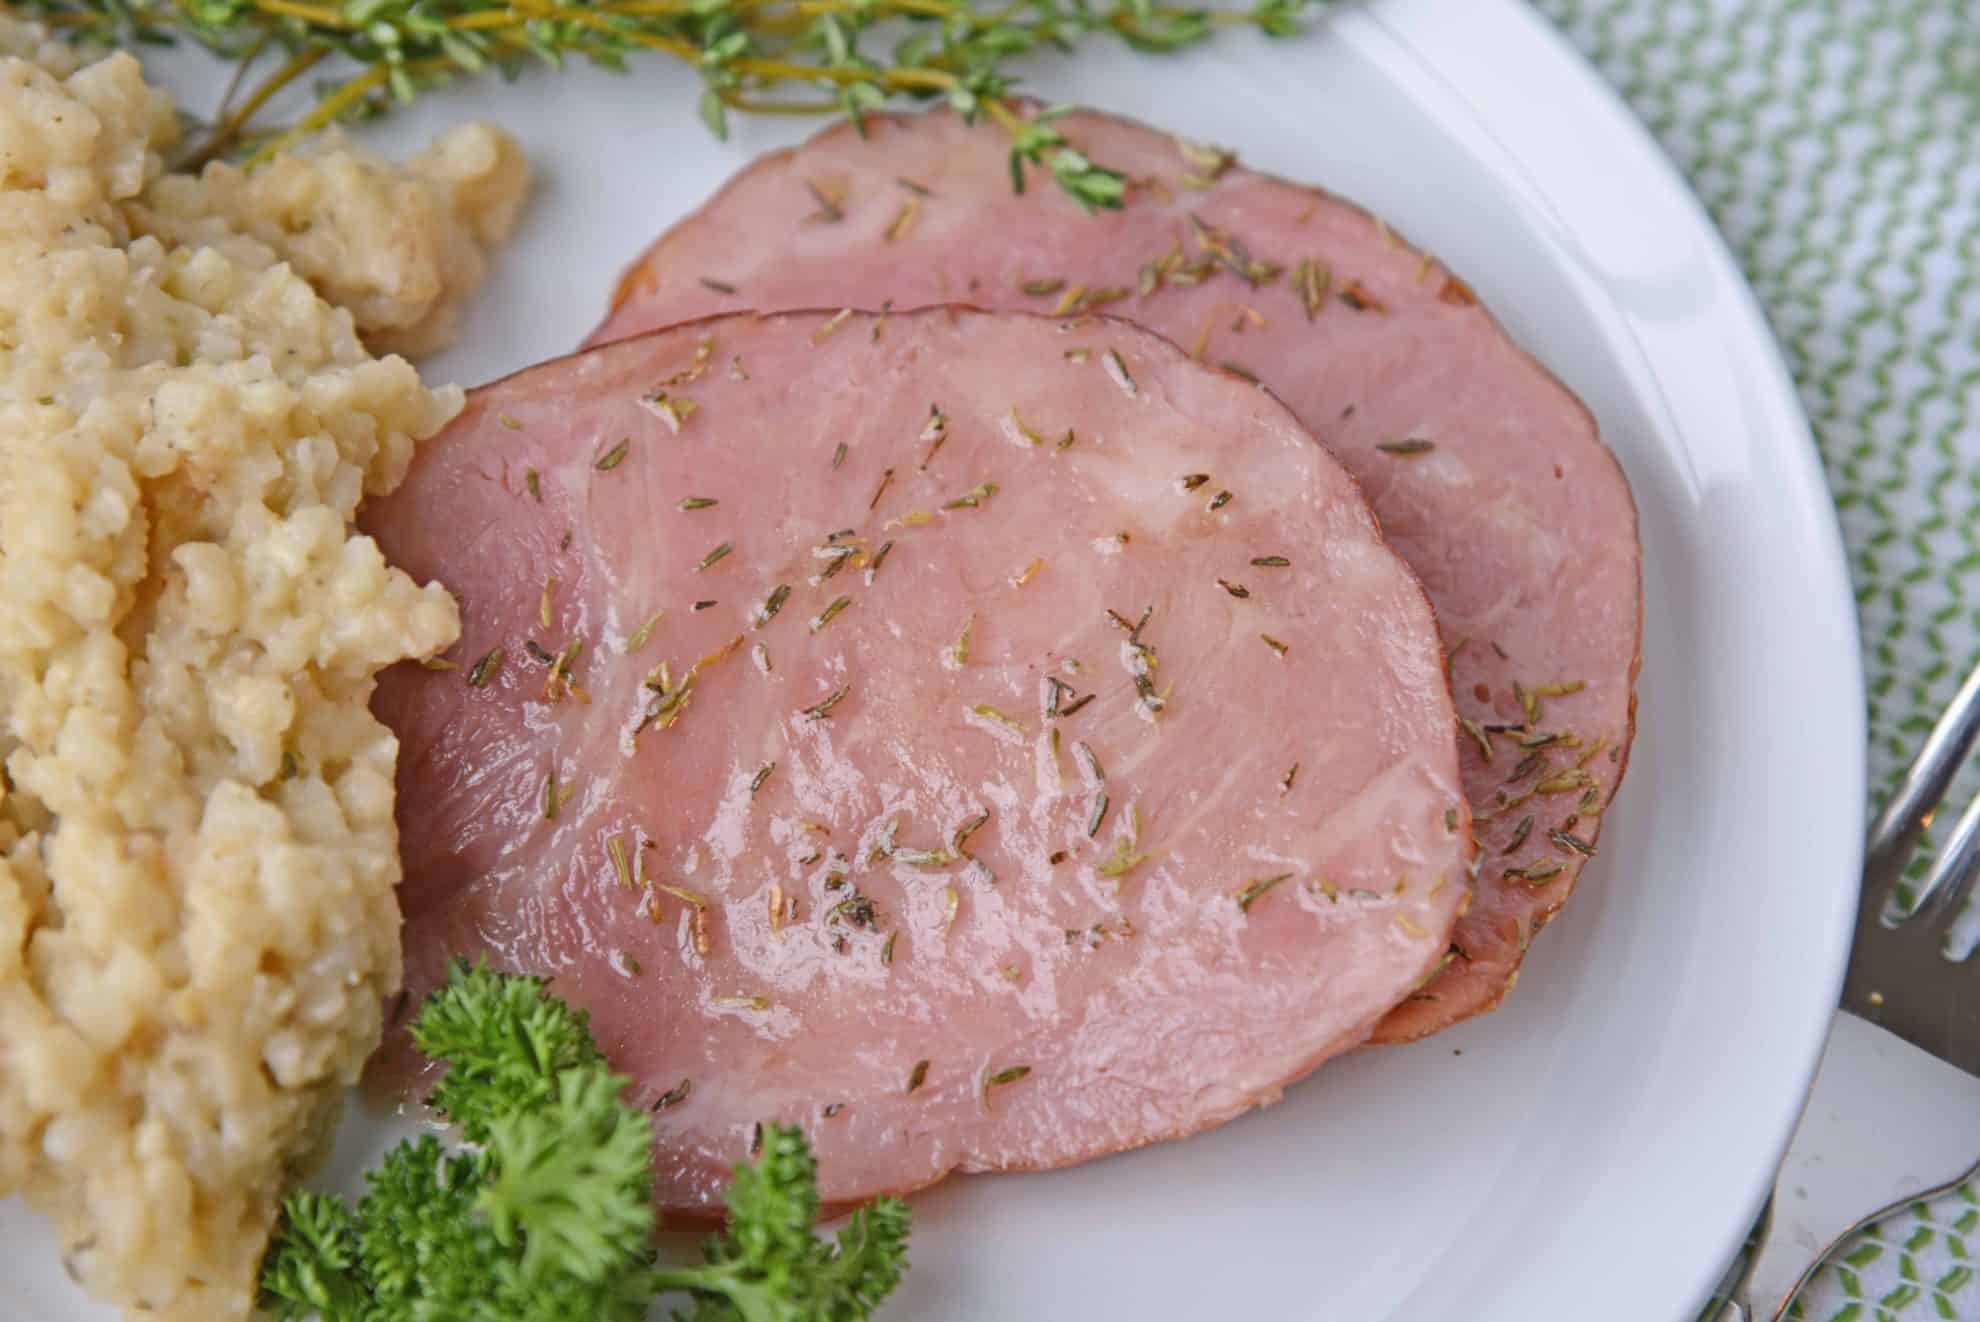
{"x": 987, "y": 741}
{"x": 1487, "y": 475}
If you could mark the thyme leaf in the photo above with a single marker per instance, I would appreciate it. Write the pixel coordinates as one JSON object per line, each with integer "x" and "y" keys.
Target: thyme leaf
{"x": 484, "y": 670}
{"x": 1249, "y": 893}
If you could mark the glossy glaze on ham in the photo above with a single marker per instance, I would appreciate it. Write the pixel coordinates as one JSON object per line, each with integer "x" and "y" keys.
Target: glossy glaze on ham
{"x": 987, "y": 741}
{"x": 1487, "y": 475}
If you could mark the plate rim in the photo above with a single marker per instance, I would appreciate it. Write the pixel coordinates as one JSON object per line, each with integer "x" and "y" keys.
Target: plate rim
{"x": 1447, "y": 50}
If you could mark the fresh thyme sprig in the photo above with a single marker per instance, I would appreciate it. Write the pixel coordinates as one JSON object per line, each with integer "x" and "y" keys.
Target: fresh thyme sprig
{"x": 748, "y": 53}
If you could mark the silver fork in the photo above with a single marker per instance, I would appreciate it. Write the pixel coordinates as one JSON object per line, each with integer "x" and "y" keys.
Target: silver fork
{"x": 1950, "y": 877}
{"x": 1895, "y": 836}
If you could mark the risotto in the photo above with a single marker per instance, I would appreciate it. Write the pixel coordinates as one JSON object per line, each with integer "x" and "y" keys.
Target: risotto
{"x": 197, "y": 852}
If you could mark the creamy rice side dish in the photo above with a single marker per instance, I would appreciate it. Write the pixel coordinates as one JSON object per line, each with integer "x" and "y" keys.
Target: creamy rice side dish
{"x": 197, "y": 851}
{"x": 398, "y": 246}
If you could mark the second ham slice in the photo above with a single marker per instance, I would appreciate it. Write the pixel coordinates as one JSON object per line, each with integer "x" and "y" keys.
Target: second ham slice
{"x": 986, "y": 741}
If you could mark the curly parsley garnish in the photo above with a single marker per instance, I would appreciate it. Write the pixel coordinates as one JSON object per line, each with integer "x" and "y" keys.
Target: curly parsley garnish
{"x": 548, "y": 1215}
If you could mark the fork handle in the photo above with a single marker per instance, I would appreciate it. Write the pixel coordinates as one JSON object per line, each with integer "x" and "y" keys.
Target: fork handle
{"x": 1904, "y": 818}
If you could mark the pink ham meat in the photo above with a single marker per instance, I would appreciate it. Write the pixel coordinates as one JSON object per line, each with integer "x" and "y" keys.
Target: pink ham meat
{"x": 990, "y": 789}
{"x": 1487, "y": 475}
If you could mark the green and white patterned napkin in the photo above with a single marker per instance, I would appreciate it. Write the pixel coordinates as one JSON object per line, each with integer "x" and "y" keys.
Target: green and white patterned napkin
{"x": 1914, "y": 1265}
{"x": 1837, "y": 145}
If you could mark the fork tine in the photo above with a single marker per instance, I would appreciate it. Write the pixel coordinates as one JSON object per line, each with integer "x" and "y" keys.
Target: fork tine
{"x": 1953, "y": 868}
{"x": 1895, "y": 835}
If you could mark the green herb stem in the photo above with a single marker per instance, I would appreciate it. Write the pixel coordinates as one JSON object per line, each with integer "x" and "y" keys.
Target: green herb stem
{"x": 746, "y": 52}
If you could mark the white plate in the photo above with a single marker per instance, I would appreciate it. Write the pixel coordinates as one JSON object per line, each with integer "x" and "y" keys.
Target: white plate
{"x": 1597, "y": 1147}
